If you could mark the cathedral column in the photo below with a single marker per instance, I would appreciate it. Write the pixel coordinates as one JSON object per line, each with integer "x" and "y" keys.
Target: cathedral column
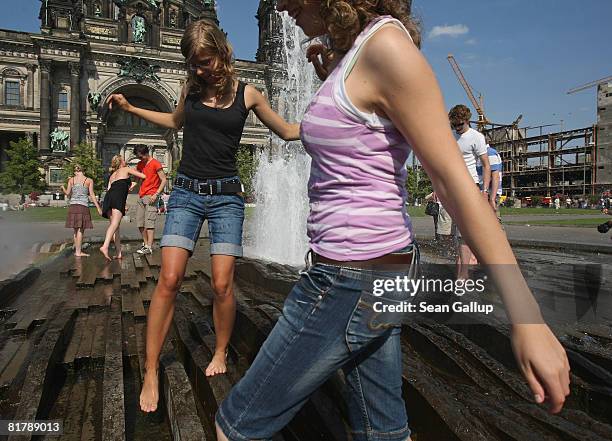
{"x": 45, "y": 104}
{"x": 75, "y": 104}
{"x": 30, "y": 101}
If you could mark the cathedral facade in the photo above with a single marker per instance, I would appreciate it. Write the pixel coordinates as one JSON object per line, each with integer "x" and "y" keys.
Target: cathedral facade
{"x": 53, "y": 84}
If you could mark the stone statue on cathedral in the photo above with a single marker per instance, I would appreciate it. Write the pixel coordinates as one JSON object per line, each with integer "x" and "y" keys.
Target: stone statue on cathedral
{"x": 139, "y": 29}
{"x": 59, "y": 141}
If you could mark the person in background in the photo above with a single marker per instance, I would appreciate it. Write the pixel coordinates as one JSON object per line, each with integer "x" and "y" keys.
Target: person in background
{"x": 80, "y": 190}
{"x": 150, "y": 188}
{"x": 495, "y": 188}
{"x": 443, "y": 228}
{"x": 113, "y": 208}
{"x": 165, "y": 198}
{"x": 434, "y": 199}
{"x": 473, "y": 146}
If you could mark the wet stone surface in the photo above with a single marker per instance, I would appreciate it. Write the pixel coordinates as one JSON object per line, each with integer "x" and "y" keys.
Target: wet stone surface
{"x": 72, "y": 348}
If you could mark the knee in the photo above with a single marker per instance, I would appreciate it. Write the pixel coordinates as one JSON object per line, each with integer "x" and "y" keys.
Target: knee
{"x": 222, "y": 287}
{"x": 170, "y": 281}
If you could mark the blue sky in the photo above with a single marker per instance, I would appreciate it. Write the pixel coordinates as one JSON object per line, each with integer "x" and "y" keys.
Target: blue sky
{"x": 522, "y": 55}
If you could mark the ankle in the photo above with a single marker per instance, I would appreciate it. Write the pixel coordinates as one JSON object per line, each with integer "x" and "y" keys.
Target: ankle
{"x": 149, "y": 367}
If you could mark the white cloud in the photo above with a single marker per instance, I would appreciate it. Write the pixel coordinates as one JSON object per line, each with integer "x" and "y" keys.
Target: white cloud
{"x": 471, "y": 41}
{"x": 449, "y": 31}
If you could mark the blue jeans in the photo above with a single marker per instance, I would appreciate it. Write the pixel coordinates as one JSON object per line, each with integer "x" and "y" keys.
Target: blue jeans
{"x": 327, "y": 323}
{"x": 188, "y": 210}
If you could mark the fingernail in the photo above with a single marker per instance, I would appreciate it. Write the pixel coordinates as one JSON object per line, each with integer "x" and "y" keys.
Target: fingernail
{"x": 538, "y": 398}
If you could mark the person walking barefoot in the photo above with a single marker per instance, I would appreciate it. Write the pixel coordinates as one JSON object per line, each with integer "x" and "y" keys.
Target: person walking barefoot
{"x": 113, "y": 208}
{"x": 379, "y": 101}
{"x": 212, "y": 111}
{"x": 80, "y": 190}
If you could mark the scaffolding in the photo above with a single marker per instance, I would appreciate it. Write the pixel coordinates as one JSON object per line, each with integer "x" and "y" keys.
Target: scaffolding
{"x": 546, "y": 164}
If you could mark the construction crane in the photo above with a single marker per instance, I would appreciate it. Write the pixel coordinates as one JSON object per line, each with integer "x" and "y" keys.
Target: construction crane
{"x": 589, "y": 85}
{"x": 478, "y": 105}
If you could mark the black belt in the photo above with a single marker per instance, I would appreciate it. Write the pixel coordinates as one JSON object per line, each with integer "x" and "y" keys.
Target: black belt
{"x": 388, "y": 259}
{"x": 219, "y": 187}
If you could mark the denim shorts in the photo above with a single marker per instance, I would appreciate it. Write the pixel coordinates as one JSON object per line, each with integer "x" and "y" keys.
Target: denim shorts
{"x": 188, "y": 210}
{"x": 328, "y": 323}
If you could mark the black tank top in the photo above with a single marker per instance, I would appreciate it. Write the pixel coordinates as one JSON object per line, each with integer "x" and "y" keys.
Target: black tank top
{"x": 211, "y": 137}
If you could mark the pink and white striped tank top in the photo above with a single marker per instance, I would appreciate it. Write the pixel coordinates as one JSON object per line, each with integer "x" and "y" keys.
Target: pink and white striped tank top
{"x": 358, "y": 174}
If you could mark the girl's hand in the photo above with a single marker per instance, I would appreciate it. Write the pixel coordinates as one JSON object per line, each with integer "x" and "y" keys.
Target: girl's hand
{"x": 119, "y": 101}
{"x": 543, "y": 362}
{"x": 321, "y": 65}
{"x": 99, "y": 211}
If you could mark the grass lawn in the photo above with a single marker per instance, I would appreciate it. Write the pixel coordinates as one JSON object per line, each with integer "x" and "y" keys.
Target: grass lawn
{"x": 58, "y": 214}
{"x": 549, "y": 211}
{"x": 585, "y": 223}
{"x": 43, "y": 214}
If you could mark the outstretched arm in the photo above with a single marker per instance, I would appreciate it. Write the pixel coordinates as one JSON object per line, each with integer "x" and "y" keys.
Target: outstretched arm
{"x": 134, "y": 172}
{"x": 259, "y": 104}
{"x": 172, "y": 120}
{"x": 93, "y": 197}
{"x": 405, "y": 89}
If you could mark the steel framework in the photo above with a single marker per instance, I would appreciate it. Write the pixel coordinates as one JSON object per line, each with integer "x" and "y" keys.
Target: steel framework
{"x": 546, "y": 164}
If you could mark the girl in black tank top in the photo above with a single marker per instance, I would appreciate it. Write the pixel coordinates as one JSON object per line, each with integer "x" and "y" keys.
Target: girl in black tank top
{"x": 212, "y": 111}
{"x": 212, "y": 137}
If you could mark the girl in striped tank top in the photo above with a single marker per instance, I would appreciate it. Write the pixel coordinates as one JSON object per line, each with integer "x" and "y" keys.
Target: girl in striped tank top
{"x": 378, "y": 100}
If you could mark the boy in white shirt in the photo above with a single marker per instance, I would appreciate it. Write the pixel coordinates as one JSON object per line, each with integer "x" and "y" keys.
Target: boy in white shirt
{"x": 473, "y": 146}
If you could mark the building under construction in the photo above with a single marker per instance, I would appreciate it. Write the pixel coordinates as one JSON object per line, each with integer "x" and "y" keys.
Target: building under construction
{"x": 572, "y": 163}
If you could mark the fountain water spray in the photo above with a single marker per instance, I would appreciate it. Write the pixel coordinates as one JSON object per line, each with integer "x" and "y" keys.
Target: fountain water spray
{"x": 278, "y": 230}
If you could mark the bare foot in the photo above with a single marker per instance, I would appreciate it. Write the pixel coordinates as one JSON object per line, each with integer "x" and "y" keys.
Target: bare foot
{"x": 81, "y": 255}
{"x": 149, "y": 395}
{"x": 104, "y": 251}
{"x": 218, "y": 364}
{"x": 118, "y": 256}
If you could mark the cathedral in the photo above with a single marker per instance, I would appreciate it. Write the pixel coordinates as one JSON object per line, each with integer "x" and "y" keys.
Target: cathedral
{"x": 53, "y": 84}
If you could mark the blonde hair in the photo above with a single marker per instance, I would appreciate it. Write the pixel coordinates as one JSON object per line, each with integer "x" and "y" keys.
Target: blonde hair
{"x": 345, "y": 19}
{"x": 78, "y": 168}
{"x": 116, "y": 163}
{"x": 205, "y": 35}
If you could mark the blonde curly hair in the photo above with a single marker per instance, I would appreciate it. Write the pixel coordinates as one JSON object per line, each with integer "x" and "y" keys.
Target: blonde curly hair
{"x": 116, "y": 163}
{"x": 206, "y": 36}
{"x": 345, "y": 19}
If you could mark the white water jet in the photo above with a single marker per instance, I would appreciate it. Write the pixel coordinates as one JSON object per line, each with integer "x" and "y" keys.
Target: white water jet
{"x": 277, "y": 231}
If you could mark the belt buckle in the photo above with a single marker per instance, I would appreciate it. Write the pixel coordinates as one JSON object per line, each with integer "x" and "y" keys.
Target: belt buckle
{"x": 204, "y": 186}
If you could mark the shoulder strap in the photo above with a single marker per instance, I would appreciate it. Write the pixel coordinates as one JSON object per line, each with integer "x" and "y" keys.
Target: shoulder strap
{"x": 363, "y": 38}
{"x": 240, "y": 99}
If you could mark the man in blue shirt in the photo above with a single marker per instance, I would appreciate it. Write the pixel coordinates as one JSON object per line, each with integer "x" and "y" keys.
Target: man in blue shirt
{"x": 495, "y": 188}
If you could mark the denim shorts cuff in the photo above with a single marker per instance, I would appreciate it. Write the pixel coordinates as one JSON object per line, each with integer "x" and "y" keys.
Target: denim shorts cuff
{"x": 174, "y": 240}
{"x": 396, "y": 435}
{"x": 226, "y": 249}
{"x": 231, "y": 433}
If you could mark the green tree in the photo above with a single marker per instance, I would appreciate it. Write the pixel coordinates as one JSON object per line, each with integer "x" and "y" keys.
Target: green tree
{"x": 22, "y": 174}
{"x": 536, "y": 201}
{"x": 246, "y": 163}
{"x": 418, "y": 184}
{"x": 174, "y": 172}
{"x": 85, "y": 155}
